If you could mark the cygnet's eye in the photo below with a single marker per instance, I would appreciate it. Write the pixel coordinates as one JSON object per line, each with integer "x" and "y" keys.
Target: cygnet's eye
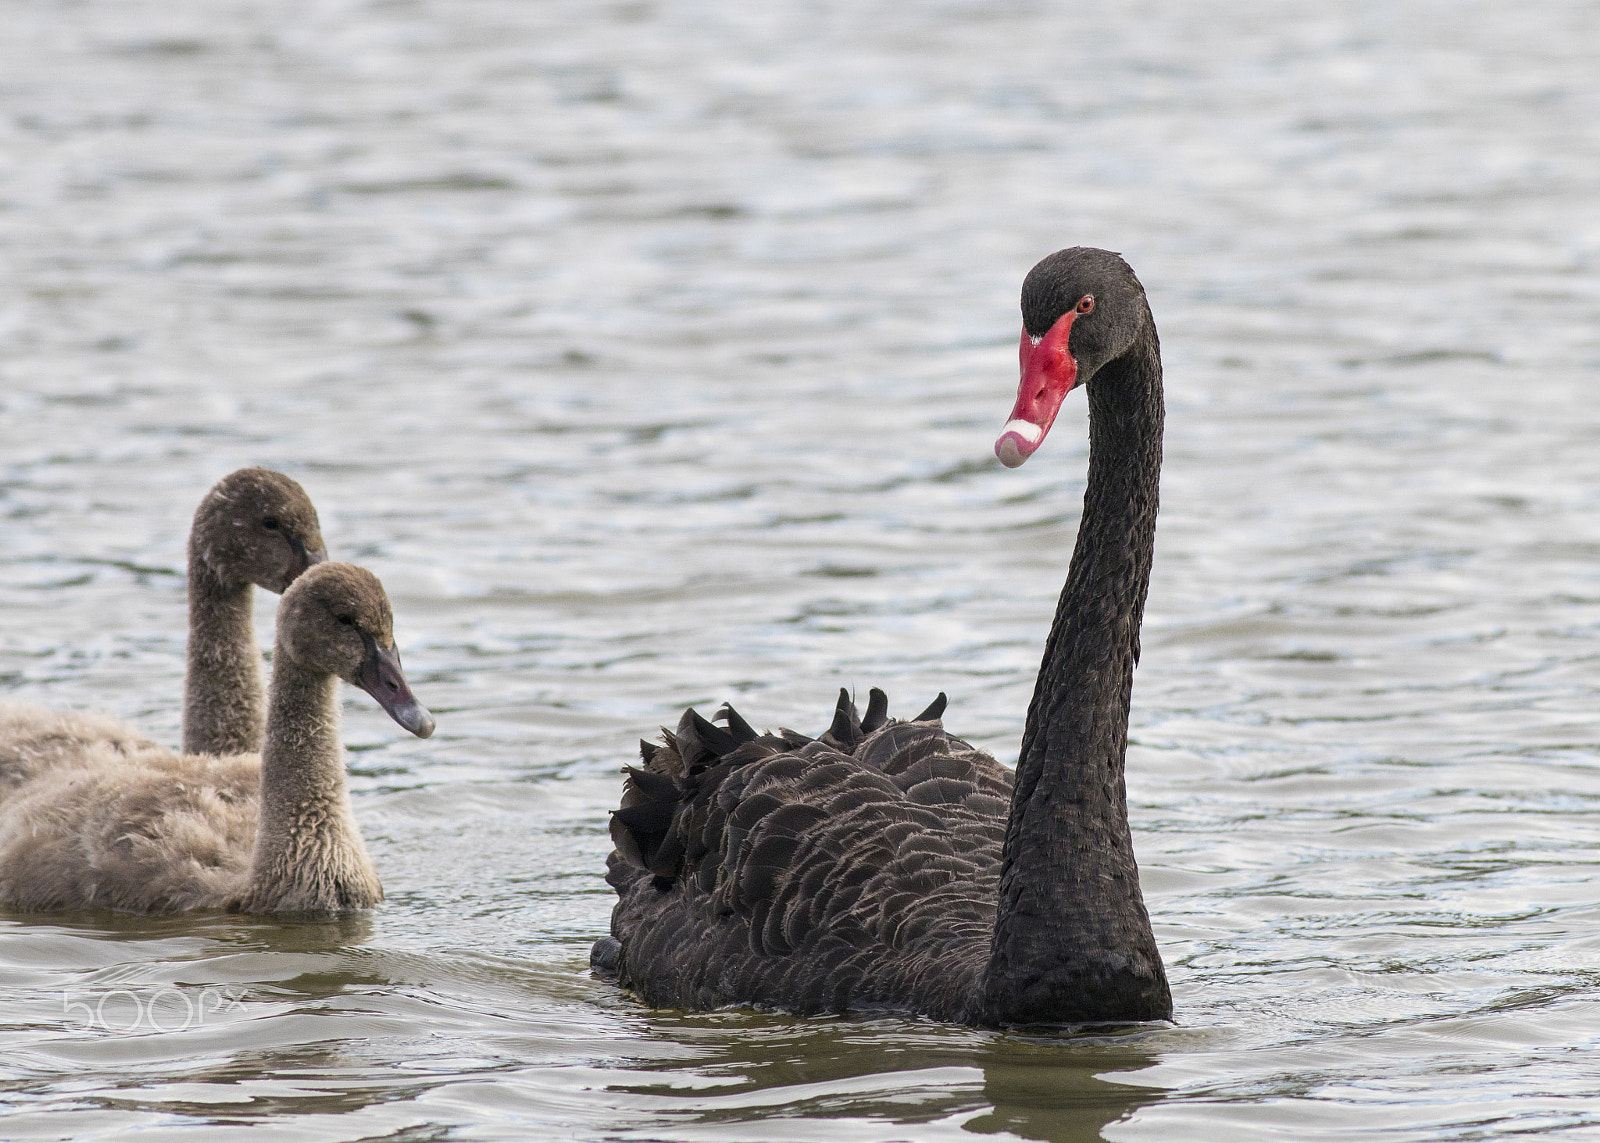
{"x": 347, "y": 620}
{"x": 270, "y": 523}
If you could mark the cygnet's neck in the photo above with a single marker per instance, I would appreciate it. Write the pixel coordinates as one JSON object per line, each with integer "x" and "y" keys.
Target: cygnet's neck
{"x": 222, "y": 693}
{"x": 309, "y": 856}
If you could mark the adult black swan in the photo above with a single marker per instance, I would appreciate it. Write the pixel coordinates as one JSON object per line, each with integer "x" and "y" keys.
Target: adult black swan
{"x": 877, "y": 867}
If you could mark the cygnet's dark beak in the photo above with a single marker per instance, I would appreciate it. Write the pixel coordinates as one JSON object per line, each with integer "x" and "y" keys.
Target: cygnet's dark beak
{"x": 381, "y": 677}
{"x": 301, "y": 558}
{"x": 304, "y": 557}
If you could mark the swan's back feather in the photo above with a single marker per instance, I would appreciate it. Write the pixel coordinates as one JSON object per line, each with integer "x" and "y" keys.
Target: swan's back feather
{"x": 855, "y": 871}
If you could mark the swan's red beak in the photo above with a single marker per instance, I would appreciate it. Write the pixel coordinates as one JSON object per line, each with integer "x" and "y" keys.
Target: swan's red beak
{"x": 1048, "y": 374}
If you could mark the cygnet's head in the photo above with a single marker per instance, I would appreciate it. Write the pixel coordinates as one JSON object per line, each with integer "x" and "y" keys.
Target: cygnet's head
{"x": 257, "y": 526}
{"x": 335, "y": 620}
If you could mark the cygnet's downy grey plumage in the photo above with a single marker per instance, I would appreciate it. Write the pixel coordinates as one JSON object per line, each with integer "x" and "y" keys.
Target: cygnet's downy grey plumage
{"x": 888, "y": 865}
{"x": 155, "y": 832}
{"x": 254, "y": 527}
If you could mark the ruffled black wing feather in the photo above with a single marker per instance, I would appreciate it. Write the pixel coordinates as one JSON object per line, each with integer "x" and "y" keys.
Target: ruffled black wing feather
{"x": 856, "y": 871}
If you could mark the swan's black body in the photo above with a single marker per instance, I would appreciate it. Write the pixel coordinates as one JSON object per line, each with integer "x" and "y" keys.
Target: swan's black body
{"x": 879, "y": 867}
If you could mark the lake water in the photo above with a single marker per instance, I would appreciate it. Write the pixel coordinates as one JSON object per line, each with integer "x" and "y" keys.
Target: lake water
{"x": 652, "y": 354}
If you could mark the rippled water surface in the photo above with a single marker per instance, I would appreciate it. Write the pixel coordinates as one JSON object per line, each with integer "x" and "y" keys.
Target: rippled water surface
{"x": 652, "y": 355}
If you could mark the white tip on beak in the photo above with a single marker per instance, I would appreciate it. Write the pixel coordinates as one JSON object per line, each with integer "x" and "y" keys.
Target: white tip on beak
{"x": 1017, "y": 442}
{"x": 1027, "y": 430}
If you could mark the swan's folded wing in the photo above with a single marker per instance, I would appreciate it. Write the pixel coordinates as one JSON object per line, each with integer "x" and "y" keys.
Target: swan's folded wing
{"x": 811, "y": 878}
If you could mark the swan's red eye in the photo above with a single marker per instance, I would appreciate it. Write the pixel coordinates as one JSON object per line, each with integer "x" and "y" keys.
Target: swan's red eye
{"x": 1085, "y": 303}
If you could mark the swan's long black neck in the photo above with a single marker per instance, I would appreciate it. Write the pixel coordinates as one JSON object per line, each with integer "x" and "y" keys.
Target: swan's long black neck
{"x": 222, "y": 691}
{"x": 1072, "y": 940}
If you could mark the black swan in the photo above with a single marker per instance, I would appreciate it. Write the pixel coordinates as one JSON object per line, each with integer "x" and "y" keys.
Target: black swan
{"x": 878, "y": 866}
{"x": 253, "y": 527}
{"x": 149, "y": 831}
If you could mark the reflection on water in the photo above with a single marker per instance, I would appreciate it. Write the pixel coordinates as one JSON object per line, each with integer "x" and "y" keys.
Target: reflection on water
{"x": 922, "y": 1078}
{"x": 1033, "y": 1092}
{"x": 652, "y": 355}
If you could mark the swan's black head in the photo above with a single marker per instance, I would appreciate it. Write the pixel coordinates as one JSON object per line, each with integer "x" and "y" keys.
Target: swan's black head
{"x": 1081, "y": 308}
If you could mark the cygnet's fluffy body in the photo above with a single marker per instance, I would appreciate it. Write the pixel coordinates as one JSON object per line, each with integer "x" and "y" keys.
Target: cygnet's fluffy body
{"x": 142, "y": 830}
{"x": 33, "y": 738}
{"x": 130, "y": 826}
